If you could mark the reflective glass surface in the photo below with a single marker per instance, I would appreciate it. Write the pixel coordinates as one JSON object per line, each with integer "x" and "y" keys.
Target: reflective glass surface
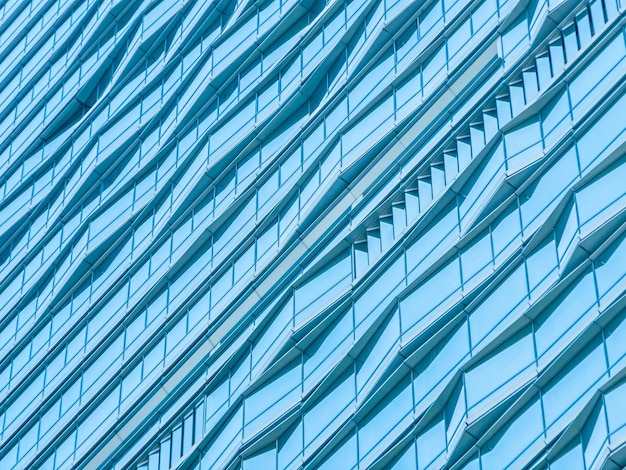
{"x": 312, "y": 234}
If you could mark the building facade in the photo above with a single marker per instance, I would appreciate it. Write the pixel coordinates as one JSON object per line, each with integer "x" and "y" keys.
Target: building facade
{"x": 306, "y": 234}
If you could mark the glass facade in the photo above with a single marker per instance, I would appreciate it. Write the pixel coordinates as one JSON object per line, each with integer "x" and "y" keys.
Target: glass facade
{"x": 332, "y": 234}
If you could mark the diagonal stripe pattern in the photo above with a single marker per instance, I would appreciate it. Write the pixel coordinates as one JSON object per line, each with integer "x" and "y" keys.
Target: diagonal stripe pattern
{"x": 305, "y": 234}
